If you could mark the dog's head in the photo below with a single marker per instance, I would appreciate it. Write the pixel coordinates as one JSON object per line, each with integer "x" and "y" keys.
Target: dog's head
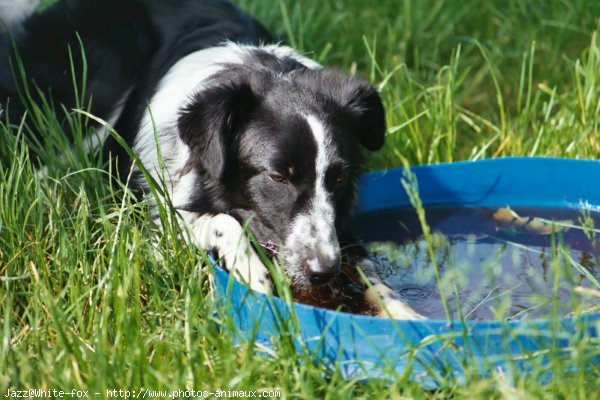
{"x": 282, "y": 150}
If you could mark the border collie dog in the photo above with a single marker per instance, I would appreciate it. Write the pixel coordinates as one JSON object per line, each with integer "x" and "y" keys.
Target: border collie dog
{"x": 249, "y": 133}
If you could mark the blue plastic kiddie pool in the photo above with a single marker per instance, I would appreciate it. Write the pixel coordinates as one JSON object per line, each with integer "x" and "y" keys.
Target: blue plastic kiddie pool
{"x": 431, "y": 350}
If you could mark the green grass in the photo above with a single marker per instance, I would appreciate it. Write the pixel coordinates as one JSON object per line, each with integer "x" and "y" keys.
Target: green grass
{"x": 93, "y": 296}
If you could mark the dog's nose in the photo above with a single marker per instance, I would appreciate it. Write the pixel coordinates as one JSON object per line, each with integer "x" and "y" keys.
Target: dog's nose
{"x": 321, "y": 278}
{"x": 323, "y": 272}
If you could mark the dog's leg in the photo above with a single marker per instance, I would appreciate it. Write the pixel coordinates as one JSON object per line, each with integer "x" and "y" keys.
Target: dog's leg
{"x": 382, "y": 297}
{"x": 223, "y": 234}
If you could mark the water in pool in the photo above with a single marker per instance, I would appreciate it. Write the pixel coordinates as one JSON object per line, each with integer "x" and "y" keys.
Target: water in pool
{"x": 499, "y": 263}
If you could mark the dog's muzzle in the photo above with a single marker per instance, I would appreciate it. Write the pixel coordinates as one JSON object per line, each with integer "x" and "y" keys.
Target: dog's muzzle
{"x": 322, "y": 269}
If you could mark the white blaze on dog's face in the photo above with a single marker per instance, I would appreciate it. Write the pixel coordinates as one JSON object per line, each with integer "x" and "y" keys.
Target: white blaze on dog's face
{"x": 297, "y": 180}
{"x": 280, "y": 147}
{"x": 312, "y": 248}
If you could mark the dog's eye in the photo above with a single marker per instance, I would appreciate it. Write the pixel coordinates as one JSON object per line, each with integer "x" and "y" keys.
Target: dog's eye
{"x": 277, "y": 177}
{"x": 339, "y": 178}
{"x": 336, "y": 177}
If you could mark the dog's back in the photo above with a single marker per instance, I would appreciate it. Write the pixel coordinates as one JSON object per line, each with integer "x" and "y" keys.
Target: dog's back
{"x": 124, "y": 42}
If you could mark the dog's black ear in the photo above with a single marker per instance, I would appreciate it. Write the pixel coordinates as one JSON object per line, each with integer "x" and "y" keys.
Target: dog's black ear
{"x": 369, "y": 114}
{"x": 210, "y": 122}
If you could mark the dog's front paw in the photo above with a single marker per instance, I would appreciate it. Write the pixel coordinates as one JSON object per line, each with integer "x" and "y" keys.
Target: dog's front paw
{"x": 388, "y": 305}
{"x": 223, "y": 235}
{"x": 247, "y": 267}
{"x": 397, "y": 309}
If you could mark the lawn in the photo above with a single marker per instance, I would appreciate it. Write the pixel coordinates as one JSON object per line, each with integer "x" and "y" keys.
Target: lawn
{"x": 94, "y": 297}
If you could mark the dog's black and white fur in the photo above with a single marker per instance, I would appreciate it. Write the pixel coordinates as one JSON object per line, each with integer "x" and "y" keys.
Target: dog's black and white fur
{"x": 248, "y": 132}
